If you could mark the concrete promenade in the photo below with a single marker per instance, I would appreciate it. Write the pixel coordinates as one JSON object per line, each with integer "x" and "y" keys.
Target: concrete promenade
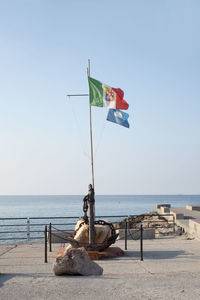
{"x": 189, "y": 221}
{"x": 170, "y": 270}
{"x": 188, "y": 218}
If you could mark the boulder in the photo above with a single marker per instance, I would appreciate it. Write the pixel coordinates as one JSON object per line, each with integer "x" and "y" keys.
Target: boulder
{"x": 75, "y": 261}
{"x": 102, "y": 233}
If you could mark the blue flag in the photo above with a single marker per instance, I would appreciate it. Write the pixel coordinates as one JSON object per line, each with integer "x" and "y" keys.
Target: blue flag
{"x": 119, "y": 117}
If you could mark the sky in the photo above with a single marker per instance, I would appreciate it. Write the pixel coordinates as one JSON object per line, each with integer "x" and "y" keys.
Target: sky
{"x": 148, "y": 48}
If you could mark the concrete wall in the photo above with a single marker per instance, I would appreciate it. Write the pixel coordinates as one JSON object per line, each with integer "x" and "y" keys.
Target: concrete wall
{"x": 177, "y": 214}
{"x": 194, "y": 227}
{"x": 134, "y": 234}
{"x": 163, "y": 208}
{"x": 191, "y": 207}
{"x": 163, "y": 205}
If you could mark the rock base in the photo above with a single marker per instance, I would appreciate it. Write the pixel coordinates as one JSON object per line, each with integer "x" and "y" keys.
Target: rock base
{"x": 110, "y": 252}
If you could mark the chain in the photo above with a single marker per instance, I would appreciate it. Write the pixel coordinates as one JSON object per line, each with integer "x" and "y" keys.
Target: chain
{"x": 85, "y": 207}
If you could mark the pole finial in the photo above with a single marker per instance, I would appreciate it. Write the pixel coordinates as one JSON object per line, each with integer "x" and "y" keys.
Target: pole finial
{"x": 88, "y": 68}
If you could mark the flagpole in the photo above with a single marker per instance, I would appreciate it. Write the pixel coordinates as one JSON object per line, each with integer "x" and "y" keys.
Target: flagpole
{"x": 91, "y": 140}
{"x": 91, "y": 187}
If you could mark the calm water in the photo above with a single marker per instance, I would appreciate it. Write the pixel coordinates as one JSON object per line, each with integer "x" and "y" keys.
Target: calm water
{"x": 71, "y": 206}
{"x": 53, "y": 206}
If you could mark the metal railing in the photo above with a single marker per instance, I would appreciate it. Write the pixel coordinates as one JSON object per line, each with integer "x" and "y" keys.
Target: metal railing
{"x": 36, "y": 228}
{"x": 32, "y": 228}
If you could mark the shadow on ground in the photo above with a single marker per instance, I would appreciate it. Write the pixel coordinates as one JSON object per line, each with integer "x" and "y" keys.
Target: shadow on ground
{"x": 155, "y": 254}
{"x": 7, "y": 276}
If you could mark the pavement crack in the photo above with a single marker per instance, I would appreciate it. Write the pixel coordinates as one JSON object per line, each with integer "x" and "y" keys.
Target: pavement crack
{"x": 145, "y": 269}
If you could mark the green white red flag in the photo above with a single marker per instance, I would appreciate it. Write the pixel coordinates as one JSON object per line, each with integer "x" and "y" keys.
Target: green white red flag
{"x": 102, "y": 95}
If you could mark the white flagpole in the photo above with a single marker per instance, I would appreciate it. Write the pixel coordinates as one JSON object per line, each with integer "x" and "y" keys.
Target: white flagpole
{"x": 91, "y": 191}
{"x": 91, "y": 141}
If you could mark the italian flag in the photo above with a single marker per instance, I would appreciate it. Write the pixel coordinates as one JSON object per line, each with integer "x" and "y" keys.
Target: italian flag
{"x": 103, "y": 95}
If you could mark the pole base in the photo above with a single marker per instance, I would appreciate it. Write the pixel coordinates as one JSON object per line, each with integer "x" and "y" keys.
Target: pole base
{"x": 110, "y": 252}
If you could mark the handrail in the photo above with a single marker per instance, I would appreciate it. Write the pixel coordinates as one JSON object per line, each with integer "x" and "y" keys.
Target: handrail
{"x": 32, "y": 226}
{"x": 66, "y": 217}
{"x": 35, "y": 228}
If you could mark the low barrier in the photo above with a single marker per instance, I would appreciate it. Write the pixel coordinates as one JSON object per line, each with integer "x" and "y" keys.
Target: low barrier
{"x": 48, "y": 233}
{"x": 32, "y": 228}
{"x": 129, "y": 233}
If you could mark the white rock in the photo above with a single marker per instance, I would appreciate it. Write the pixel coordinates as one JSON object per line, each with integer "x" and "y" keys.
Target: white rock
{"x": 102, "y": 233}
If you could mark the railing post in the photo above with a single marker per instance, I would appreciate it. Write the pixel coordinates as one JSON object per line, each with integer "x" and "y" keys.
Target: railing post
{"x": 125, "y": 237}
{"x": 45, "y": 244}
{"x": 28, "y": 229}
{"x": 50, "y": 244}
{"x": 141, "y": 242}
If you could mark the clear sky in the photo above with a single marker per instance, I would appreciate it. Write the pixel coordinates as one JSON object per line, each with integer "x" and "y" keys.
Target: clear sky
{"x": 148, "y": 48}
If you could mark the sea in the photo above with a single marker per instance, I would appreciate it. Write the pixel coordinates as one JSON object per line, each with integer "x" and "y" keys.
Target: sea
{"x": 71, "y": 205}
{"x": 60, "y": 206}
